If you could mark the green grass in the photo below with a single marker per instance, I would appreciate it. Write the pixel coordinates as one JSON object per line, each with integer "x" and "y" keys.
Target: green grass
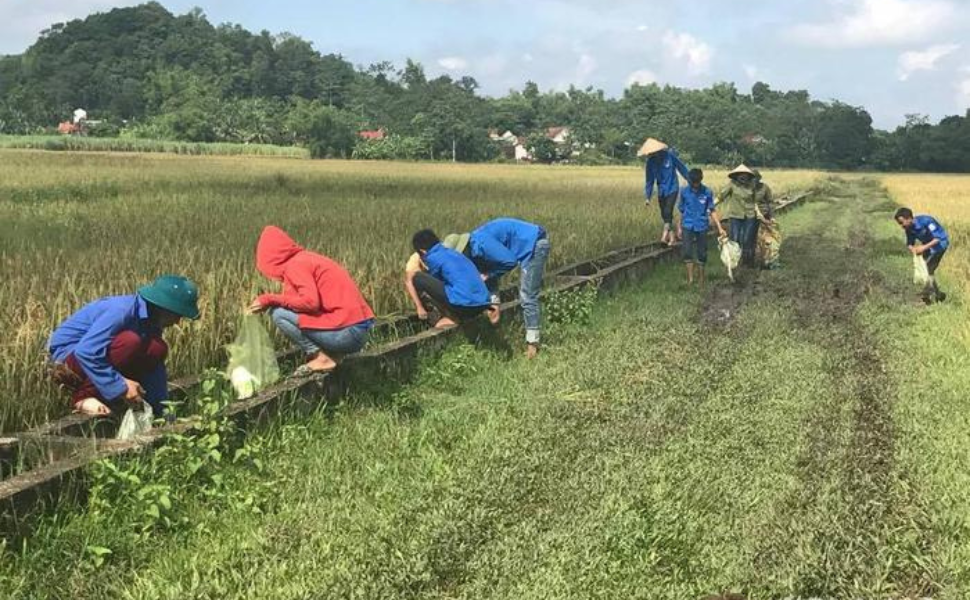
{"x": 799, "y": 435}
{"x": 65, "y": 143}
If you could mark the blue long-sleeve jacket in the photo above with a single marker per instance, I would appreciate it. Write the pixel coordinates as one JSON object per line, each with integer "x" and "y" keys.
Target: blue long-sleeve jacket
{"x": 463, "y": 284}
{"x": 88, "y": 333}
{"x": 503, "y": 244}
{"x": 662, "y": 169}
{"x": 925, "y": 229}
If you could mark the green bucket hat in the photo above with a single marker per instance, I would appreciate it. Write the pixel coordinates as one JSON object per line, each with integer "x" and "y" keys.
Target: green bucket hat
{"x": 456, "y": 241}
{"x": 174, "y": 293}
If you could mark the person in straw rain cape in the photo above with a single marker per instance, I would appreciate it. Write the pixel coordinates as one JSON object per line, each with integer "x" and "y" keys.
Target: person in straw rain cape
{"x": 662, "y": 166}
{"x": 321, "y": 310}
{"x": 737, "y": 204}
{"x": 111, "y": 352}
{"x": 925, "y": 237}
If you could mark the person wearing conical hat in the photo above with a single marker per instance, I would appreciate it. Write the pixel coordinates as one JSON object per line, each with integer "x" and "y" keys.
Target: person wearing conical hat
{"x": 737, "y": 204}
{"x": 111, "y": 353}
{"x": 662, "y": 166}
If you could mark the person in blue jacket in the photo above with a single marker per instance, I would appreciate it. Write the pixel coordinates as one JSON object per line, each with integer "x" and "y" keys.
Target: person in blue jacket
{"x": 925, "y": 237}
{"x": 662, "y": 166}
{"x": 451, "y": 285}
{"x": 111, "y": 353}
{"x": 500, "y": 246}
{"x": 696, "y": 214}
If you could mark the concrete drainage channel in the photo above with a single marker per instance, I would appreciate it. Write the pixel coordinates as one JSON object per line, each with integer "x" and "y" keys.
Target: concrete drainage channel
{"x": 41, "y": 466}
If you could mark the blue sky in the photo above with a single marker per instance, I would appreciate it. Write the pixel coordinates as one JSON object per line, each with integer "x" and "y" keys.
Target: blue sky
{"x": 892, "y": 56}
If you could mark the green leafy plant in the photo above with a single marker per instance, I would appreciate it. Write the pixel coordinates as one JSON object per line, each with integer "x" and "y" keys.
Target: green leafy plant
{"x": 573, "y": 307}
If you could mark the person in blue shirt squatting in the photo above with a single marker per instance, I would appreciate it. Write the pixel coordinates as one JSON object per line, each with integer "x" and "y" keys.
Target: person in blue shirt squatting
{"x": 111, "y": 352}
{"x": 451, "y": 285}
{"x": 696, "y": 213}
{"x": 662, "y": 167}
{"x": 499, "y": 246}
{"x": 926, "y": 237}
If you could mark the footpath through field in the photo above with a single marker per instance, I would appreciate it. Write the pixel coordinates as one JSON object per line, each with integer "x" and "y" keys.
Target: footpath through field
{"x": 772, "y": 438}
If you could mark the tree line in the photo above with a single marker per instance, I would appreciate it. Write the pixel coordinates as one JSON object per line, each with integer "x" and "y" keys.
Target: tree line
{"x": 145, "y": 72}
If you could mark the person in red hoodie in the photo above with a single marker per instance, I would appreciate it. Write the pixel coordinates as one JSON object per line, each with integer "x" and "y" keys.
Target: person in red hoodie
{"x": 320, "y": 310}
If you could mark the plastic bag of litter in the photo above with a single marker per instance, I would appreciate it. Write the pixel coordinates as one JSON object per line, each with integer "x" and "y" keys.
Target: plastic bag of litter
{"x": 921, "y": 273}
{"x": 730, "y": 255}
{"x": 136, "y": 422}
{"x": 252, "y": 359}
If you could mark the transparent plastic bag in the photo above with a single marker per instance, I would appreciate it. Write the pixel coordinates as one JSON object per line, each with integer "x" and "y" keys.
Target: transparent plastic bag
{"x": 136, "y": 422}
{"x": 730, "y": 255}
{"x": 252, "y": 358}
{"x": 921, "y": 274}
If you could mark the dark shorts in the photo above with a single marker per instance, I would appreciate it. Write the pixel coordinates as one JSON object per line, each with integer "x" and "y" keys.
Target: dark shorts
{"x": 432, "y": 290}
{"x": 694, "y": 246}
{"x": 667, "y": 204}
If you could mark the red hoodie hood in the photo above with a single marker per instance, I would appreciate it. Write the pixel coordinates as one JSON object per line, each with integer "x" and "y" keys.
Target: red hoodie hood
{"x": 274, "y": 249}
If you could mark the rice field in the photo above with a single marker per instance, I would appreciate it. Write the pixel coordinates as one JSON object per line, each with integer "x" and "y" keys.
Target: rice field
{"x": 77, "y": 226}
{"x": 63, "y": 143}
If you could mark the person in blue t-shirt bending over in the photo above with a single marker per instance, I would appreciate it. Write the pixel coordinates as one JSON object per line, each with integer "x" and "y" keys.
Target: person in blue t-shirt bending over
{"x": 926, "y": 237}
{"x": 451, "y": 285}
{"x": 696, "y": 211}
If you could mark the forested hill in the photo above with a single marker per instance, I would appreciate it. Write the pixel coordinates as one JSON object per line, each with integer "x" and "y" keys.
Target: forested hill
{"x": 145, "y": 72}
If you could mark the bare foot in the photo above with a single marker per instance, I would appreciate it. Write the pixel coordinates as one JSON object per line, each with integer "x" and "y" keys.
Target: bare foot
{"x": 92, "y": 407}
{"x": 494, "y": 314}
{"x": 532, "y": 351}
{"x": 445, "y": 323}
{"x": 321, "y": 362}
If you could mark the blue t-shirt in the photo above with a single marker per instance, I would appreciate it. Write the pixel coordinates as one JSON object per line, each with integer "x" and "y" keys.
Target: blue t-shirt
{"x": 696, "y": 208}
{"x": 661, "y": 170}
{"x": 925, "y": 229}
{"x": 504, "y": 243}
{"x": 463, "y": 284}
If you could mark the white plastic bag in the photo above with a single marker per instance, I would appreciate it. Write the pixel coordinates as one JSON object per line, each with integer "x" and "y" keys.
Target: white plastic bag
{"x": 921, "y": 274}
{"x": 730, "y": 255}
{"x": 136, "y": 422}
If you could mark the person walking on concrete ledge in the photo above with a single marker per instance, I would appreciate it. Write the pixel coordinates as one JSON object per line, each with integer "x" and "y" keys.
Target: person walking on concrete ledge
{"x": 662, "y": 166}
{"x": 321, "y": 310}
{"x": 111, "y": 352}
{"x": 451, "y": 288}
{"x": 927, "y": 238}
{"x": 696, "y": 213}
{"x": 500, "y": 246}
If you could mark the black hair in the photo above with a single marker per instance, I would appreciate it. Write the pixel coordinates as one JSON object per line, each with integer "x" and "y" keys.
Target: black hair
{"x": 425, "y": 239}
{"x": 695, "y": 176}
{"x": 904, "y": 213}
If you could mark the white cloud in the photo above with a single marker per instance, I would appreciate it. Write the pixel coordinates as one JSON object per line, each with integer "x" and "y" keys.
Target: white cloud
{"x": 751, "y": 72}
{"x": 641, "y": 77}
{"x": 684, "y": 47}
{"x": 642, "y": 28}
{"x": 22, "y": 20}
{"x": 453, "y": 63}
{"x": 585, "y": 68}
{"x": 963, "y": 93}
{"x": 878, "y": 23}
{"x": 923, "y": 60}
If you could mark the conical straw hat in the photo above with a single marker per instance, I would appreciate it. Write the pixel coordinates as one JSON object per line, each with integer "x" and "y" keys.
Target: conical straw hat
{"x": 741, "y": 170}
{"x": 652, "y": 146}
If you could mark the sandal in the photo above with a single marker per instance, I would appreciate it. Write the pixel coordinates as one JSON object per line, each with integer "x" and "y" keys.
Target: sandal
{"x": 305, "y": 371}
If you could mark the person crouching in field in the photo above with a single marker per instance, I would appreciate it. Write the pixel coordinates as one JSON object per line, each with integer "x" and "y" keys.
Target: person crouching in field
{"x": 927, "y": 238}
{"x": 321, "y": 310}
{"x": 451, "y": 288}
{"x": 696, "y": 213}
{"x": 111, "y": 352}
{"x": 737, "y": 204}
{"x": 662, "y": 167}
{"x": 501, "y": 245}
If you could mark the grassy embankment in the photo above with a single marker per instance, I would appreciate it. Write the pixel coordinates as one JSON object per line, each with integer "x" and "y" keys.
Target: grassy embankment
{"x": 61, "y": 143}
{"x": 78, "y": 226}
{"x": 781, "y": 438}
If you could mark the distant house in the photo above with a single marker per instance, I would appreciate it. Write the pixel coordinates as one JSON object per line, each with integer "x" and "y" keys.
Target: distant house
{"x": 559, "y": 135}
{"x": 513, "y": 147}
{"x": 372, "y": 136}
{"x": 754, "y": 139}
{"x": 521, "y": 150}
